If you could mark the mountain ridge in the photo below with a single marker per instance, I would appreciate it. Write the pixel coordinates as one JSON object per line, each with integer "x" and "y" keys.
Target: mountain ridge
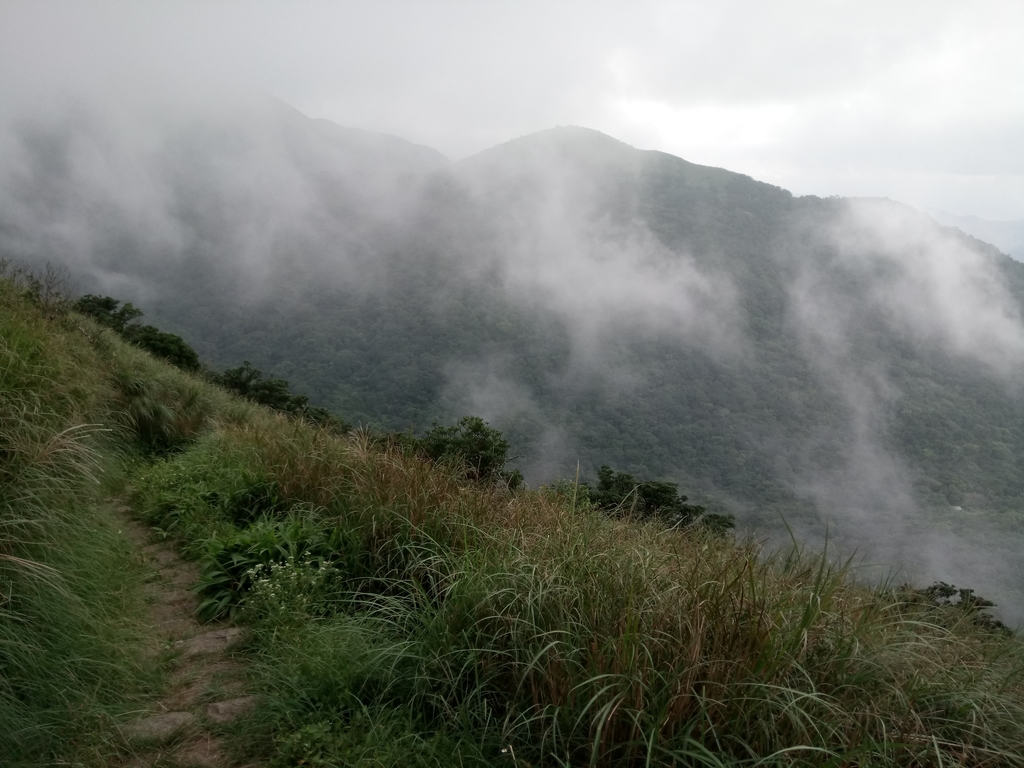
{"x": 774, "y": 354}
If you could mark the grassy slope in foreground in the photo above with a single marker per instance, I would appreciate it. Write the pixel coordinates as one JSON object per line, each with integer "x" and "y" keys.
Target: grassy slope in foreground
{"x": 68, "y": 665}
{"x": 77, "y": 407}
{"x": 404, "y": 617}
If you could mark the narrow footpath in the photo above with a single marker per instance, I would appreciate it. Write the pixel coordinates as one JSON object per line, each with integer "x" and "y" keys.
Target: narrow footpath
{"x": 205, "y": 690}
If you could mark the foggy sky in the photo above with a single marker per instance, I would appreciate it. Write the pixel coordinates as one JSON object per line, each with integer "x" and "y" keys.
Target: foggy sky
{"x": 916, "y": 101}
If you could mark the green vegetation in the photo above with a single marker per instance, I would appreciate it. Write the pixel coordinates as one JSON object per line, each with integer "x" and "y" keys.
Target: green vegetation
{"x": 70, "y": 412}
{"x": 108, "y": 311}
{"x": 248, "y": 382}
{"x": 404, "y": 616}
{"x": 620, "y": 494}
{"x": 475, "y": 446}
{"x": 410, "y": 611}
{"x": 732, "y": 429}
{"x": 411, "y": 291}
{"x": 167, "y": 346}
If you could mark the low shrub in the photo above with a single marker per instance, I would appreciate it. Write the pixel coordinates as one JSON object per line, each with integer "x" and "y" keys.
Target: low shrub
{"x": 234, "y": 560}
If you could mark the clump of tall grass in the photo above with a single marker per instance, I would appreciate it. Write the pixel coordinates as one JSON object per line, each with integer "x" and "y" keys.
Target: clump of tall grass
{"x": 486, "y": 620}
{"x": 72, "y": 398}
{"x": 65, "y": 646}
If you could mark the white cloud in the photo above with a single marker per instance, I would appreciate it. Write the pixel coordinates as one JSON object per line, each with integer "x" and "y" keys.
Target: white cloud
{"x": 913, "y": 100}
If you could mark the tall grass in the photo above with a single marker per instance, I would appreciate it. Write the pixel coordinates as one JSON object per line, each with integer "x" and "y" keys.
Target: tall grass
{"x": 59, "y": 633}
{"x": 404, "y": 616}
{"x": 488, "y": 621}
{"x": 69, "y": 609}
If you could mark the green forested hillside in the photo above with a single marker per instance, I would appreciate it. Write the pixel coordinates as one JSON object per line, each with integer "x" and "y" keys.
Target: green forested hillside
{"x": 401, "y": 611}
{"x": 825, "y": 359}
{"x": 393, "y": 353}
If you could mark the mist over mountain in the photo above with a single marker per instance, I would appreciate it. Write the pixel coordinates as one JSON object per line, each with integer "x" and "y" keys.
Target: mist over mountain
{"x": 1007, "y": 236}
{"x": 839, "y": 360}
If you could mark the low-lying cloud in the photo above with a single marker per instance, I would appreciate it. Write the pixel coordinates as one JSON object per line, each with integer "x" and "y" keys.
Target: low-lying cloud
{"x": 273, "y": 202}
{"x": 889, "y": 266}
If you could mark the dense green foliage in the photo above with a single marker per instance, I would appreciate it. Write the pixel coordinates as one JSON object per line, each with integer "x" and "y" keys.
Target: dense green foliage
{"x": 620, "y": 494}
{"x": 397, "y": 297}
{"x": 742, "y": 431}
{"x": 166, "y": 346}
{"x": 478, "y": 447}
{"x": 401, "y": 614}
{"x": 108, "y": 311}
{"x": 248, "y": 382}
{"x": 245, "y": 380}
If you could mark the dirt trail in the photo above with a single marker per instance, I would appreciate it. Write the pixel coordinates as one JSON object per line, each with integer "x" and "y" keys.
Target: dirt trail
{"x": 206, "y": 686}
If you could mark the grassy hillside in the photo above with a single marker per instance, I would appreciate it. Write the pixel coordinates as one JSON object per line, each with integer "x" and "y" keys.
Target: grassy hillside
{"x": 76, "y": 409}
{"x": 401, "y": 614}
{"x": 813, "y": 359}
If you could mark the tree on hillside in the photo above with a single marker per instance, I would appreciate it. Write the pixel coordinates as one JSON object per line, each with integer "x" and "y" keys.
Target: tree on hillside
{"x": 119, "y": 317}
{"x": 481, "y": 448}
{"x": 247, "y": 381}
{"x": 108, "y": 311}
{"x": 168, "y": 346}
{"x": 959, "y": 603}
{"x": 620, "y": 494}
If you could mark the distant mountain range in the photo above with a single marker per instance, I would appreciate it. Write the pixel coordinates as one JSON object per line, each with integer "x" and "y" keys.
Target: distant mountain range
{"x": 1007, "y": 236}
{"x": 848, "y": 360}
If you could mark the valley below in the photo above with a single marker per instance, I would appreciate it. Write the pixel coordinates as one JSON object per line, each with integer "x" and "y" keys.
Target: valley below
{"x": 840, "y": 369}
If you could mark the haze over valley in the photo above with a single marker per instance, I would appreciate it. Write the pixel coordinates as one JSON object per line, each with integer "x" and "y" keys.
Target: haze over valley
{"x": 840, "y": 365}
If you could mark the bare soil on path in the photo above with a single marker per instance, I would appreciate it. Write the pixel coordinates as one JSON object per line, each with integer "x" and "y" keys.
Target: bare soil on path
{"x": 205, "y": 689}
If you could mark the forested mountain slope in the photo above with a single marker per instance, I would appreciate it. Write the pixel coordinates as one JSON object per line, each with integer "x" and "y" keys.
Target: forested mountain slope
{"x": 372, "y": 605}
{"x": 848, "y": 360}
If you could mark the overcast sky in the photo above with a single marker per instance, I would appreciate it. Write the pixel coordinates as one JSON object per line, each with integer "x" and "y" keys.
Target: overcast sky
{"x": 918, "y": 101}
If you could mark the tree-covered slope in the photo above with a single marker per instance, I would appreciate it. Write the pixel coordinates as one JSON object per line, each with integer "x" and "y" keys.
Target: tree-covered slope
{"x": 392, "y": 608}
{"x": 840, "y": 359}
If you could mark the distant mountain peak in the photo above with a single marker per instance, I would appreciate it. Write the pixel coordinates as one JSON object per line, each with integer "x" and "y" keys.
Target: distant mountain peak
{"x": 563, "y": 141}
